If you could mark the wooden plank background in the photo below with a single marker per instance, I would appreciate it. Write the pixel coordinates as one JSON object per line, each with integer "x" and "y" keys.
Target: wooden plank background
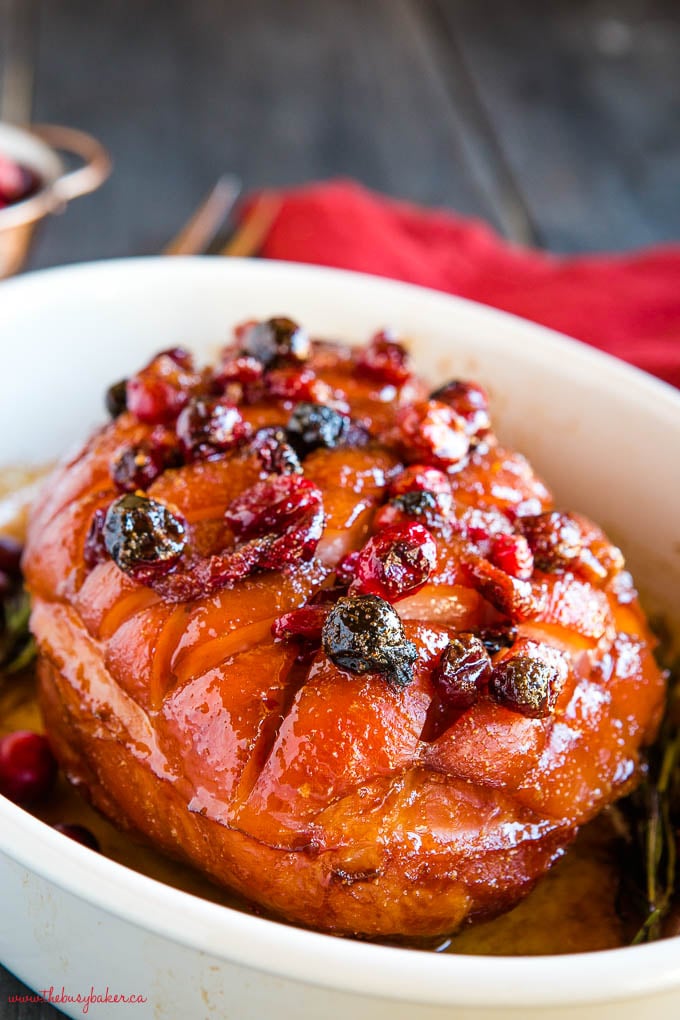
{"x": 559, "y": 122}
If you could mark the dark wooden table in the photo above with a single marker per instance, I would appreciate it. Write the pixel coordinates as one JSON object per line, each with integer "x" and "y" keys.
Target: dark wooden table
{"x": 559, "y": 121}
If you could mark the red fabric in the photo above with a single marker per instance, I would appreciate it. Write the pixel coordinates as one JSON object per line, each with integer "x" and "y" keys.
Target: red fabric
{"x": 628, "y": 305}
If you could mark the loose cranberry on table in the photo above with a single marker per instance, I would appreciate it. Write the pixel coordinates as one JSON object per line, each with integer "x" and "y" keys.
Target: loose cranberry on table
{"x": 79, "y": 834}
{"x": 10, "y": 556}
{"x": 28, "y": 768}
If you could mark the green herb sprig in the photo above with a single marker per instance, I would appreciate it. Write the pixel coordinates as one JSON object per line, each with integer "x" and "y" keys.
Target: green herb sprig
{"x": 17, "y": 647}
{"x": 652, "y": 815}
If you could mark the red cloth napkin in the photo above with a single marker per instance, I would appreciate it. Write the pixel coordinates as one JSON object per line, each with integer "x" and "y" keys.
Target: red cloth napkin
{"x": 628, "y": 305}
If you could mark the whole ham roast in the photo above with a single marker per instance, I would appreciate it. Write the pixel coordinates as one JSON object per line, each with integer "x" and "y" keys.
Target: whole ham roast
{"x": 313, "y": 630}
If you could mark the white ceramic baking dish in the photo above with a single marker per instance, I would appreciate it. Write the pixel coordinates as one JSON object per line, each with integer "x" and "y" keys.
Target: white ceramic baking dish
{"x": 602, "y": 434}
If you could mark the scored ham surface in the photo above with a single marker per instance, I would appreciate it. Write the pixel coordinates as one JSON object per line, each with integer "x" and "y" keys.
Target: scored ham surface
{"x": 335, "y": 797}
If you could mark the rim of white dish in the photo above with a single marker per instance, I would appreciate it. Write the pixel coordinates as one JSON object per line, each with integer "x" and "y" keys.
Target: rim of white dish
{"x": 309, "y": 957}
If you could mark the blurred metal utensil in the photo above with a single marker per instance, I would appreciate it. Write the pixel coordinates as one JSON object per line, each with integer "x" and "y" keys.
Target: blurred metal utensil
{"x": 252, "y": 232}
{"x": 204, "y": 225}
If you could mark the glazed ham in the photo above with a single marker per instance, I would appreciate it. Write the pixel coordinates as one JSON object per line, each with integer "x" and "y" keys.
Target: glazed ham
{"x": 319, "y": 634}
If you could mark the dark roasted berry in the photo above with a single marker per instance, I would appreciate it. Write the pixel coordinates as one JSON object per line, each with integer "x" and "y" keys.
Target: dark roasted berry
{"x": 136, "y": 467}
{"x": 512, "y": 554}
{"x": 142, "y": 536}
{"x": 495, "y": 639}
{"x": 363, "y": 634}
{"x": 385, "y": 360}
{"x": 276, "y": 341}
{"x": 275, "y": 452}
{"x": 27, "y": 767}
{"x": 207, "y": 428}
{"x": 420, "y": 506}
{"x": 94, "y": 549}
{"x": 79, "y": 834}
{"x": 396, "y": 562}
{"x": 432, "y": 432}
{"x": 554, "y": 538}
{"x": 10, "y": 556}
{"x": 463, "y": 668}
{"x": 314, "y": 425}
{"x": 469, "y": 401}
{"x": 116, "y": 398}
{"x": 524, "y": 685}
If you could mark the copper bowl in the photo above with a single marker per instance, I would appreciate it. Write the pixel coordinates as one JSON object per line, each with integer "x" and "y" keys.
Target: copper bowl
{"x": 38, "y": 149}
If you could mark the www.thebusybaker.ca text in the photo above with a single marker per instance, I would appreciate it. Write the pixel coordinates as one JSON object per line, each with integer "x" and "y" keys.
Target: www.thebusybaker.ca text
{"x": 62, "y": 997}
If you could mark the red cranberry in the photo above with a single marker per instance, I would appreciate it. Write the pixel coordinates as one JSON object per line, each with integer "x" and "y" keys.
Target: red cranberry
{"x": 16, "y": 182}
{"x": 509, "y": 595}
{"x": 345, "y": 570}
{"x": 306, "y": 623}
{"x": 385, "y": 360}
{"x": 512, "y": 554}
{"x": 482, "y": 526}
{"x": 79, "y": 834}
{"x": 396, "y": 562}
{"x": 276, "y": 342}
{"x": 276, "y": 454}
{"x": 421, "y": 478}
{"x": 207, "y": 428}
{"x": 432, "y": 431}
{"x": 239, "y": 369}
{"x": 10, "y": 556}
{"x": 28, "y": 769}
{"x": 94, "y": 550}
{"x": 270, "y": 506}
{"x": 158, "y": 393}
{"x": 524, "y": 685}
{"x": 464, "y": 666}
{"x": 554, "y": 538}
{"x": 294, "y": 384}
{"x": 180, "y": 355}
{"x": 468, "y": 400}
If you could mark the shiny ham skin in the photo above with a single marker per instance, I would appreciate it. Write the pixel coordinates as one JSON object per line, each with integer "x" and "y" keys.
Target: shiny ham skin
{"x": 333, "y": 800}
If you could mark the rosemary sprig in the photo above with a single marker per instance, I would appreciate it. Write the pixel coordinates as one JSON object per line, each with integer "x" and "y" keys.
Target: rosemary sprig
{"x": 652, "y": 815}
{"x": 17, "y": 648}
